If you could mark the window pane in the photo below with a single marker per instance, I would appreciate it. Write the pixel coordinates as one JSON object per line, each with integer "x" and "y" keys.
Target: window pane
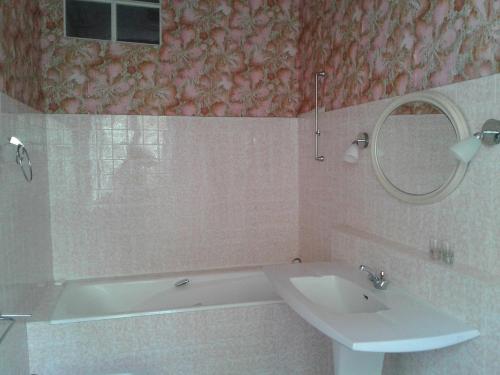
{"x": 87, "y": 19}
{"x": 137, "y": 24}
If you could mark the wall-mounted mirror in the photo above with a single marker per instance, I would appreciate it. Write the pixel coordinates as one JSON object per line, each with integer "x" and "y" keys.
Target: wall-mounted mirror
{"x": 410, "y": 148}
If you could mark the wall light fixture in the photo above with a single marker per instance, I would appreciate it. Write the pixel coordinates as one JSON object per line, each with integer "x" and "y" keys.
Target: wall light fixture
{"x": 352, "y": 153}
{"x": 489, "y": 136}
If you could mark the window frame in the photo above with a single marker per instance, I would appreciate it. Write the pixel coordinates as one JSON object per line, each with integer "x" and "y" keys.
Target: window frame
{"x": 114, "y": 31}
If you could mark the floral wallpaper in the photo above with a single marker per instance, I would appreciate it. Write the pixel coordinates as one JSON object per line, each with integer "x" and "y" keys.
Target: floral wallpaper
{"x": 372, "y": 49}
{"x": 248, "y": 58}
{"x": 20, "y": 53}
{"x": 218, "y": 58}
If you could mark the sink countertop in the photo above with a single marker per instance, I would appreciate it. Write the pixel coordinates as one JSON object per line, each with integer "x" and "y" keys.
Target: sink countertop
{"x": 407, "y": 325}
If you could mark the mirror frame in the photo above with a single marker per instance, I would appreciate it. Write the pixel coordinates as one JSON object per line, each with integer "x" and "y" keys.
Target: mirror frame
{"x": 461, "y": 129}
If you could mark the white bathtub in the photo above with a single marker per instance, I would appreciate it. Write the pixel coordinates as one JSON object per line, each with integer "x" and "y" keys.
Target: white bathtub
{"x": 133, "y": 296}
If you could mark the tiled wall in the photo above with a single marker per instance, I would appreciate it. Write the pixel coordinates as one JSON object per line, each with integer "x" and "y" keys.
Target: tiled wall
{"x": 346, "y": 214}
{"x": 134, "y": 195}
{"x": 25, "y": 247}
{"x": 264, "y": 339}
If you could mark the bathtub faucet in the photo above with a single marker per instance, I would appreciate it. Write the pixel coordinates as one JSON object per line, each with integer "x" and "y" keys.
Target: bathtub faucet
{"x": 378, "y": 281}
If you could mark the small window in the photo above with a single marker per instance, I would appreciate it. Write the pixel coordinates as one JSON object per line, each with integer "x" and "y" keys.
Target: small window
{"x": 136, "y": 21}
{"x": 137, "y": 24}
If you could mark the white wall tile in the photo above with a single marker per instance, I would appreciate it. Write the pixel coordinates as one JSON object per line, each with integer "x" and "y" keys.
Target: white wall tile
{"x": 157, "y": 194}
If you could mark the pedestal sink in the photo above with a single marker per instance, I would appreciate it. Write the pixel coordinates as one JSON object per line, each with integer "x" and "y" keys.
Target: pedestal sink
{"x": 363, "y": 322}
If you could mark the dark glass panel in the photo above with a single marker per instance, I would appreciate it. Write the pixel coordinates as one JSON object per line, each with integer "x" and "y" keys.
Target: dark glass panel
{"x": 87, "y": 19}
{"x": 137, "y": 24}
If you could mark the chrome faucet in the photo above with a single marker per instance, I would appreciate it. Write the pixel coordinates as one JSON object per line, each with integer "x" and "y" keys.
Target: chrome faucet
{"x": 378, "y": 281}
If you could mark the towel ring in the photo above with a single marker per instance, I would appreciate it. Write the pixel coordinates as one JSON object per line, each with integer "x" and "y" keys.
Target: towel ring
{"x": 23, "y": 158}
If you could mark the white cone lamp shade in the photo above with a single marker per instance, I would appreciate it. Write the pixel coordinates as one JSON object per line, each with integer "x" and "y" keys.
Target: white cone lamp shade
{"x": 352, "y": 154}
{"x": 465, "y": 150}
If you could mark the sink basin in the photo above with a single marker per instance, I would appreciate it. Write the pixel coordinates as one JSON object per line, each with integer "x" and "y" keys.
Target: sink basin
{"x": 363, "y": 322}
{"x": 337, "y": 295}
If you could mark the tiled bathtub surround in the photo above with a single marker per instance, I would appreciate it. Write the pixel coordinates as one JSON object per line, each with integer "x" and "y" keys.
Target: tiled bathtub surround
{"x": 25, "y": 247}
{"x": 264, "y": 339}
{"x": 134, "y": 195}
{"x": 346, "y": 214}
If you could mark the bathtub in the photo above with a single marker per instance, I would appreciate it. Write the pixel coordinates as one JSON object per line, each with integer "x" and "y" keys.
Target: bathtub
{"x": 111, "y": 298}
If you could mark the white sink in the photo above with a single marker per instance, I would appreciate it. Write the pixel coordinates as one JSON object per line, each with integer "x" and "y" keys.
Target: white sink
{"x": 337, "y": 295}
{"x": 364, "y": 322}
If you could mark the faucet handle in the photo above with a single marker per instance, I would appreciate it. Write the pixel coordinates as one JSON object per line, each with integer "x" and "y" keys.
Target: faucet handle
{"x": 379, "y": 281}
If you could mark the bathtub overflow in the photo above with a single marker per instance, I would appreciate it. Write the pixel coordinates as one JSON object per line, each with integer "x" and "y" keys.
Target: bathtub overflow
{"x": 182, "y": 282}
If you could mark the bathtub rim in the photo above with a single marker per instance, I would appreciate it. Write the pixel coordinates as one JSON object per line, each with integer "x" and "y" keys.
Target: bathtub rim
{"x": 54, "y": 291}
{"x": 157, "y": 276}
{"x": 165, "y": 312}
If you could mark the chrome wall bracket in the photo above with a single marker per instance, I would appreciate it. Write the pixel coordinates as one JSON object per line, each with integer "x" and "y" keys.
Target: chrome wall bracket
{"x": 490, "y": 133}
{"x": 362, "y": 140}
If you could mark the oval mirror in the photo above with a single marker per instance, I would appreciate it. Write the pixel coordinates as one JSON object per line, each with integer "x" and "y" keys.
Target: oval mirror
{"x": 410, "y": 148}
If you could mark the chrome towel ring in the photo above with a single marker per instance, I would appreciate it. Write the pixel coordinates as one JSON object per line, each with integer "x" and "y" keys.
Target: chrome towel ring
{"x": 22, "y": 158}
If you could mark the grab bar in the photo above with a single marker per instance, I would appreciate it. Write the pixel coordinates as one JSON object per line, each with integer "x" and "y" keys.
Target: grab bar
{"x": 317, "y": 133}
{"x": 13, "y": 316}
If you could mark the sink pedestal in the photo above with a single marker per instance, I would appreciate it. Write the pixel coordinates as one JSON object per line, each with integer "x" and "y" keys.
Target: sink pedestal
{"x": 350, "y": 362}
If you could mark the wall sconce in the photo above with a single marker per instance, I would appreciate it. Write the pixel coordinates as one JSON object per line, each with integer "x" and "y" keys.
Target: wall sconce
{"x": 352, "y": 153}
{"x": 489, "y": 136}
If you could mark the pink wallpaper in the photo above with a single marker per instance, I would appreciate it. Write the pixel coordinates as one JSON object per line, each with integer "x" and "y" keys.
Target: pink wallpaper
{"x": 20, "y": 53}
{"x": 376, "y": 49}
{"x": 248, "y": 58}
{"x": 218, "y": 58}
